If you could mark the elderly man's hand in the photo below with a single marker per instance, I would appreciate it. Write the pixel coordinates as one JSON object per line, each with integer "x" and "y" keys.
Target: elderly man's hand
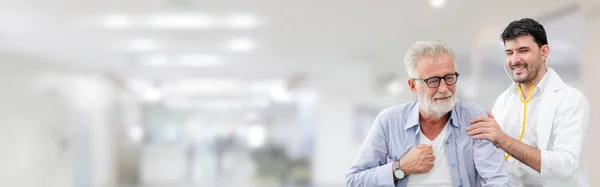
{"x": 418, "y": 160}
{"x": 486, "y": 128}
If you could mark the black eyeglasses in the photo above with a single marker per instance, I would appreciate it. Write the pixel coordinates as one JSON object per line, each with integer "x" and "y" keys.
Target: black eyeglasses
{"x": 434, "y": 82}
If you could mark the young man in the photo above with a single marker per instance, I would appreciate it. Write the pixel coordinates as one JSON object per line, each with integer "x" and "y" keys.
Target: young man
{"x": 539, "y": 120}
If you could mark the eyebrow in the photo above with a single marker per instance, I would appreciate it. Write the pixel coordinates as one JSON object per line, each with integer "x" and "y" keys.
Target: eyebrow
{"x": 441, "y": 77}
{"x": 520, "y": 48}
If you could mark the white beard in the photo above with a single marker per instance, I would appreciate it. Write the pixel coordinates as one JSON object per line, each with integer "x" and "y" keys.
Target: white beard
{"x": 437, "y": 108}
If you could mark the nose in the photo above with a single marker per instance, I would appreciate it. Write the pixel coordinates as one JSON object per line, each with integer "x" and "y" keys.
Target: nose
{"x": 514, "y": 59}
{"x": 443, "y": 87}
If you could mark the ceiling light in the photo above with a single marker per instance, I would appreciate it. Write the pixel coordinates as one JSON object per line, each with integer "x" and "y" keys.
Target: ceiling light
{"x": 138, "y": 85}
{"x": 256, "y": 136}
{"x": 177, "y": 21}
{"x": 180, "y": 21}
{"x": 145, "y": 90}
{"x": 279, "y": 93}
{"x": 152, "y": 95}
{"x": 136, "y": 133}
{"x": 437, "y": 3}
{"x": 199, "y": 60}
{"x": 213, "y": 105}
{"x": 143, "y": 45}
{"x": 155, "y": 60}
{"x": 241, "y": 45}
{"x": 203, "y": 86}
{"x": 242, "y": 21}
{"x": 116, "y": 21}
{"x": 259, "y": 102}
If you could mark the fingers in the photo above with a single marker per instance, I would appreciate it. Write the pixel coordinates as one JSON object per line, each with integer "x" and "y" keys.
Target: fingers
{"x": 426, "y": 163}
{"x": 474, "y": 126}
{"x": 476, "y": 131}
{"x": 482, "y": 136}
{"x": 429, "y": 166}
{"x": 427, "y": 150}
{"x": 478, "y": 125}
{"x": 426, "y": 166}
{"x": 430, "y": 158}
{"x": 490, "y": 114}
{"x": 480, "y": 119}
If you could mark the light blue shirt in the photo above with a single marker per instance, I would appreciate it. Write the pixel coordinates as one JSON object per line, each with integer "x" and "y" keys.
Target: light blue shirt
{"x": 472, "y": 162}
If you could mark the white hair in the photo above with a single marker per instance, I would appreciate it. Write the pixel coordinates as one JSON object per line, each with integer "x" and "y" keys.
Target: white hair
{"x": 424, "y": 49}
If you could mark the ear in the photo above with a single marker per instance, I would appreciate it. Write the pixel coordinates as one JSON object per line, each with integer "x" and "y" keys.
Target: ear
{"x": 413, "y": 87}
{"x": 545, "y": 51}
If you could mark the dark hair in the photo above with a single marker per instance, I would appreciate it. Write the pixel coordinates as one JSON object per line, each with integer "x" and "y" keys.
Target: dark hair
{"x": 525, "y": 26}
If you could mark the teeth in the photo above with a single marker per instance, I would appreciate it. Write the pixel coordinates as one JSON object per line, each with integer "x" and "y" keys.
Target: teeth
{"x": 519, "y": 67}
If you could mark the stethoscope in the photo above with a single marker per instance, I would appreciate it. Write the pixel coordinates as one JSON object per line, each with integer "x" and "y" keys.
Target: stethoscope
{"x": 524, "y": 101}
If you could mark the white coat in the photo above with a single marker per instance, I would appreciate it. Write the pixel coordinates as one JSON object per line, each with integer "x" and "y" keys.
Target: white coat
{"x": 561, "y": 130}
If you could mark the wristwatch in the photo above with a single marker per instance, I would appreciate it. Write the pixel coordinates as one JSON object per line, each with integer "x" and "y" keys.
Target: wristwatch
{"x": 398, "y": 173}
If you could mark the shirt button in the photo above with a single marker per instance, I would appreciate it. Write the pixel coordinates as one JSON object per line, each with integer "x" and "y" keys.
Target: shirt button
{"x": 452, "y": 165}
{"x": 447, "y": 142}
{"x": 459, "y": 185}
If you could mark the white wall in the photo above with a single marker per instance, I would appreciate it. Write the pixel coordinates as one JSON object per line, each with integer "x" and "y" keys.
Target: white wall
{"x": 30, "y": 133}
{"x": 590, "y": 81}
{"x": 336, "y": 147}
{"x": 91, "y": 107}
{"x": 36, "y": 115}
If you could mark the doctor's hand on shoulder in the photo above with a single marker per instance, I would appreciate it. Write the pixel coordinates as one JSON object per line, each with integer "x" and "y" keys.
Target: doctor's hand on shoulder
{"x": 486, "y": 127}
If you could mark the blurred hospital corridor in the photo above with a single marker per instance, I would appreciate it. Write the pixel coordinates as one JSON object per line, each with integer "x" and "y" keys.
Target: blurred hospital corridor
{"x": 243, "y": 93}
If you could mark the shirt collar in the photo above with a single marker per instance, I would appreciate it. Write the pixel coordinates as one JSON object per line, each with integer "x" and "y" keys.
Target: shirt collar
{"x": 413, "y": 116}
{"x": 540, "y": 86}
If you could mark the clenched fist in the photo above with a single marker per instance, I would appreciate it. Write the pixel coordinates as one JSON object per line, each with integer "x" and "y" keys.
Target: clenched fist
{"x": 418, "y": 160}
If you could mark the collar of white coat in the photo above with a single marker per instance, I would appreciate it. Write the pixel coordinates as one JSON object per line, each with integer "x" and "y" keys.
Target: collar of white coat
{"x": 550, "y": 82}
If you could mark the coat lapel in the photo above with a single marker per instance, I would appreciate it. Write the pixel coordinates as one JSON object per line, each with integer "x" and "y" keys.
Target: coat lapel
{"x": 546, "y": 119}
{"x": 548, "y": 108}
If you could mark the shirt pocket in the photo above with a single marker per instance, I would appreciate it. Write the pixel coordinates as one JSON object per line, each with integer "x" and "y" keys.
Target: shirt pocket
{"x": 398, "y": 147}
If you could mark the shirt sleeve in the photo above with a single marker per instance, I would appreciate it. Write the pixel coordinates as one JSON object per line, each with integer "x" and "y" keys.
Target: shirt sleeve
{"x": 371, "y": 167}
{"x": 489, "y": 161}
{"x": 568, "y": 139}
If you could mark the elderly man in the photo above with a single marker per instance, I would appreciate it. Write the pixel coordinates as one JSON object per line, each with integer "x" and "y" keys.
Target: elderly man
{"x": 425, "y": 142}
{"x": 540, "y": 122}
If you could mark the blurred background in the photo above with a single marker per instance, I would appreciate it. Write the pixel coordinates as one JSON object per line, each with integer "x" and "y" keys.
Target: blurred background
{"x": 246, "y": 93}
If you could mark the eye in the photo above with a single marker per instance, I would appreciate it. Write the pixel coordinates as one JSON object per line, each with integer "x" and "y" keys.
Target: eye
{"x": 450, "y": 78}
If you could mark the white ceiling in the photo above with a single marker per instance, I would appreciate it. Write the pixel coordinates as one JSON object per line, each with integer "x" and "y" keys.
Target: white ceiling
{"x": 293, "y": 35}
